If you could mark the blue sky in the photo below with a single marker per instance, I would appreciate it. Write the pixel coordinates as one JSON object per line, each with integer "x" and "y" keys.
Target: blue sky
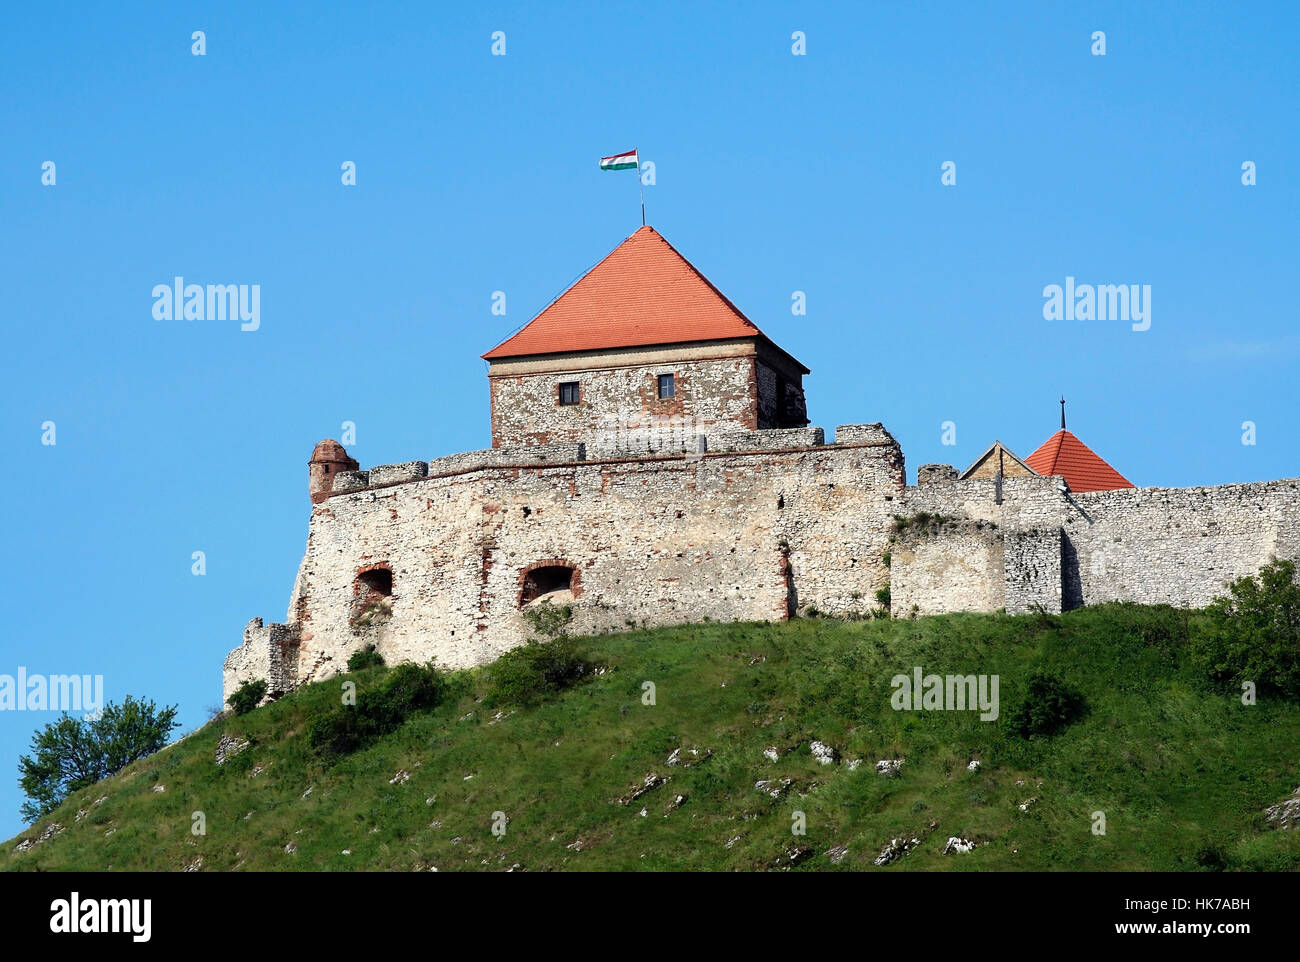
{"x": 477, "y": 173}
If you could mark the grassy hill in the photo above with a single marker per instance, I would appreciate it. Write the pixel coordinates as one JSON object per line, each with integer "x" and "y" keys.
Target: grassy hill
{"x": 1182, "y": 774}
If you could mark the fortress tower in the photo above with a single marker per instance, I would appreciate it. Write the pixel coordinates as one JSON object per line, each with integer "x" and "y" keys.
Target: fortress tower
{"x": 327, "y": 459}
{"x": 642, "y": 337}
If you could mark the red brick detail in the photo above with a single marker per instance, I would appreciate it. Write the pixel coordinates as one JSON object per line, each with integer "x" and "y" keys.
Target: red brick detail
{"x": 575, "y": 576}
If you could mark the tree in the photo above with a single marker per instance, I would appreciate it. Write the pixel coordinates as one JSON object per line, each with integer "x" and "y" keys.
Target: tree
{"x": 1253, "y": 633}
{"x": 71, "y": 753}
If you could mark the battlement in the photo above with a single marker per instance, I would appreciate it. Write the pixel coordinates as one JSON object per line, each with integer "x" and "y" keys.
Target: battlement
{"x": 441, "y": 559}
{"x": 647, "y": 448}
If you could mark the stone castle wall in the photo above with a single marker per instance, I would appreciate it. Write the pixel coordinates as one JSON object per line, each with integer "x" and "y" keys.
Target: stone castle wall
{"x": 744, "y": 534}
{"x": 1061, "y": 550}
{"x": 755, "y": 526}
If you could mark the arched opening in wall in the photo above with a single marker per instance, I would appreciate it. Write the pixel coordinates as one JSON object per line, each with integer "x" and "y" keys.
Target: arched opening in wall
{"x": 547, "y": 578}
{"x": 372, "y": 596}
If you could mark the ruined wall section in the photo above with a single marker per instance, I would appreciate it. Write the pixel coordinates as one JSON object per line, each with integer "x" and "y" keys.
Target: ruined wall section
{"x": 1178, "y": 546}
{"x": 269, "y": 653}
{"x": 432, "y": 560}
{"x": 734, "y": 536}
{"x": 953, "y": 566}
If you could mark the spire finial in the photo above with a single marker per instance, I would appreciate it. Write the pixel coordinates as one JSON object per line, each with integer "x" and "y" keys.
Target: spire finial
{"x": 1062, "y": 412}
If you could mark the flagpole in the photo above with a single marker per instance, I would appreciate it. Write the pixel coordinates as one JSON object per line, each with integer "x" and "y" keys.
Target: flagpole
{"x": 640, "y": 187}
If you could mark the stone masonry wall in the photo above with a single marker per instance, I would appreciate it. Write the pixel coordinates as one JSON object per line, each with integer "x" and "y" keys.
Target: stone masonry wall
{"x": 1032, "y": 570}
{"x": 779, "y": 523}
{"x": 779, "y": 407}
{"x": 269, "y": 653}
{"x": 1177, "y": 546}
{"x": 717, "y": 392}
{"x": 956, "y": 569}
{"x": 728, "y": 536}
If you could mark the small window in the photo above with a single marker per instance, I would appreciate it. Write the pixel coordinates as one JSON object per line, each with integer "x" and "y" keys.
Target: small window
{"x": 569, "y": 392}
{"x": 666, "y": 388}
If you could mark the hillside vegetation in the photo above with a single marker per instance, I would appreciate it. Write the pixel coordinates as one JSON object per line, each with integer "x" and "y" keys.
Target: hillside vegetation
{"x": 1182, "y": 774}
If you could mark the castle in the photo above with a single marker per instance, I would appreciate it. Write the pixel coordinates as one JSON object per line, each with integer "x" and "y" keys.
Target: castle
{"x": 652, "y": 464}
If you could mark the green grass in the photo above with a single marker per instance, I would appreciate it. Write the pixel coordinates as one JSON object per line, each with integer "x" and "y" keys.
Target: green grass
{"x": 1179, "y": 771}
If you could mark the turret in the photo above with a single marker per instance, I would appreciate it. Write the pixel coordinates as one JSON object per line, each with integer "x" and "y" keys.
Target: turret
{"x": 327, "y": 459}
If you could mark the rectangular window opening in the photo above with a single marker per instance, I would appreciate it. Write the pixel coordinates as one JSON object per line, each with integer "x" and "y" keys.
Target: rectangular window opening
{"x": 569, "y": 392}
{"x": 666, "y": 387}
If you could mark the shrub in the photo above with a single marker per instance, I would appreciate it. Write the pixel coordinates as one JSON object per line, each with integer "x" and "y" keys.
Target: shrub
{"x": 412, "y": 688}
{"x": 1253, "y": 633}
{"x": 1043, "y": 620}
{"x": 547, "y": 619}
{"x": 367, "y": 657}
{"x": 247, "y": 696}
{"x": 883, "y": 597}
{"x": 922, "y": 521}
{"x": 408, "y": 690}
{"x": 1048, "y": 707}
{"x": 342, "y": 731}
{"x": 536, "y": 671}
{"x": 1210, "y": 858}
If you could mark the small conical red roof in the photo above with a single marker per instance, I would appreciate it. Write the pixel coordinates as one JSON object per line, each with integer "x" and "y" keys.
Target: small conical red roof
{"x": 1083, "y": 470}
{"x": 643, "y": 293}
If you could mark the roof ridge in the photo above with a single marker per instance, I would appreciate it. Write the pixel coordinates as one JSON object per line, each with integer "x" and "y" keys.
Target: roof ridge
{"x": 1059, "y": 437}
{"x": 642, "y": 293}
{"x": 1063, "y": 454}
{"x": 700, "y": 274}
{"x": 569, "y": 286}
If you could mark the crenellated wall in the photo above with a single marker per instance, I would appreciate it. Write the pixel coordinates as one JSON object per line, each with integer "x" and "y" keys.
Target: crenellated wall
{"x": 438, "y": 560}
{"x": 729, "y": 535}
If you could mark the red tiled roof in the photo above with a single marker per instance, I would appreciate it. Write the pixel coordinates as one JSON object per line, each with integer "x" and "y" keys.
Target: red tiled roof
{"x": 1066, "y": 455}
{"x": 642, "y": 293}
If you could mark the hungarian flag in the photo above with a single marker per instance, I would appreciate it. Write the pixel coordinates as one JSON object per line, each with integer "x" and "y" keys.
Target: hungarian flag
{"x": 625, "y": 161}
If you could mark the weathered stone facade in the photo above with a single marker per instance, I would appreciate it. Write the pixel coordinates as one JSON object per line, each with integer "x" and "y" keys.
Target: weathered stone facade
{"x": 755, "y": 526}
{"x": 730, "y": 385}
{"x": 1176, "y": 546}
